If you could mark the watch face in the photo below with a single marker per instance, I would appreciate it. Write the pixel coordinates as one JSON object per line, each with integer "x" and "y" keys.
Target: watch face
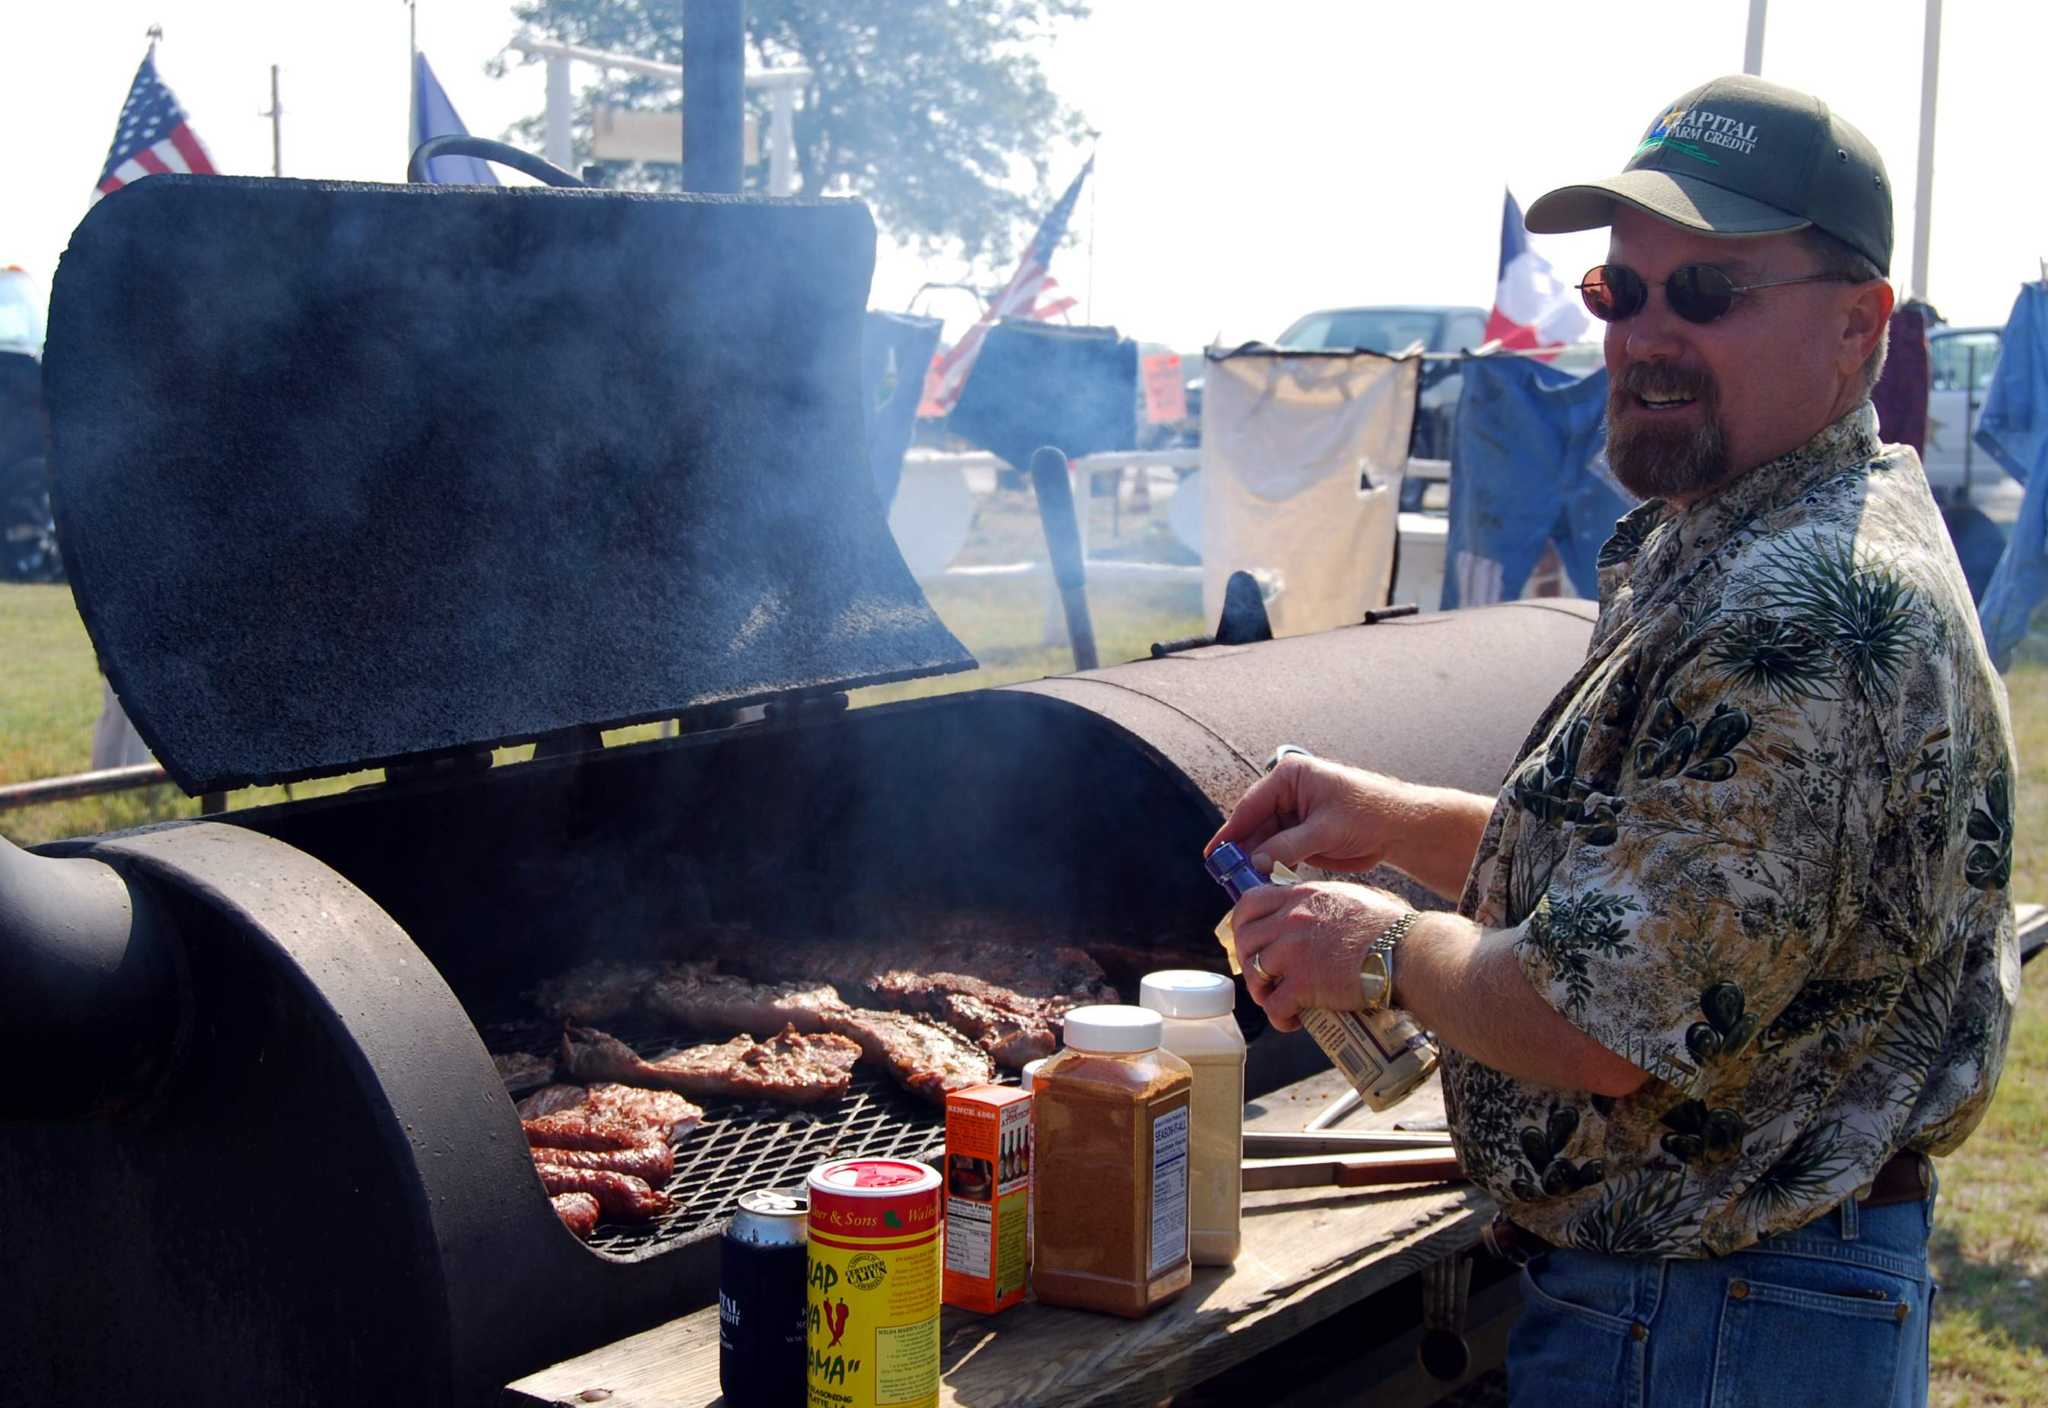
{"x": 1373, "y": 976}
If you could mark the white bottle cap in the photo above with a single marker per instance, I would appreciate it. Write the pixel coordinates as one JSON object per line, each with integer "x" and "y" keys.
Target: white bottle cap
{"x": 1187, "y": 992}
{"x": 1113, "y": 1028}
{"x": 1031, "y": 1071}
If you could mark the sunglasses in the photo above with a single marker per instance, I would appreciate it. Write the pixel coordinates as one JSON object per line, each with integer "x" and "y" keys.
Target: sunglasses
{"x": 1698, "y": 293}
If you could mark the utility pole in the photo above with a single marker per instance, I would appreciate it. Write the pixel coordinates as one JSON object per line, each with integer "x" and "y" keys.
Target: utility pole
{"x": 412, "y": 82}
{"x": 276, "y": 116}
{"x": 714, "y": 94}
{"x": 1753, "y": 46}
{"x": 1923, "y": 193}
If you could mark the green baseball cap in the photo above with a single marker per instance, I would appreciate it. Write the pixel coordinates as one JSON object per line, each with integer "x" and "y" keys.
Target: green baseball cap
{"x": 1739, "y": 156}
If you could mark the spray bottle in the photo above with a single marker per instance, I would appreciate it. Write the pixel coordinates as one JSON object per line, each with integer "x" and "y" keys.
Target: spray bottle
{"x": 1383, "y": 1053}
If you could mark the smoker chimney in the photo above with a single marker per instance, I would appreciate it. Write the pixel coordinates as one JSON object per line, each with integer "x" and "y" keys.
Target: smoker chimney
{"x": 714, "y": 93}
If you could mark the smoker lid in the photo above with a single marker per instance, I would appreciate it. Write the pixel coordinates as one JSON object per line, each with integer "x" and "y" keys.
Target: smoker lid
{"x": 347, "y": 474}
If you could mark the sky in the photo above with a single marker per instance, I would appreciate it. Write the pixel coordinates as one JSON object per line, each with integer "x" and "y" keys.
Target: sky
{"x": 1255, "y": 162}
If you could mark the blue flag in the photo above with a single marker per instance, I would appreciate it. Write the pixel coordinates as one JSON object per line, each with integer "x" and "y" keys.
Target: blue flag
{"x": 1528, "y": 468}
{"x": 434, "y": 116}
{"x": 895, "y": 350}
{"x": 2013, "y": 429}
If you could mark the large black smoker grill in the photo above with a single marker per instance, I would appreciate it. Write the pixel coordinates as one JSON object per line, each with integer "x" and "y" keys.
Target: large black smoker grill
{"x": 353, "y": 476}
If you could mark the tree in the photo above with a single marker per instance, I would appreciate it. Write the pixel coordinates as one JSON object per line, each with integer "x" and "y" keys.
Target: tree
{"x": 926, "y": 109}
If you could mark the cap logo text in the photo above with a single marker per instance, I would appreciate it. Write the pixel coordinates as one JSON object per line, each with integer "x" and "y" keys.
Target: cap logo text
{"x": 1692, "y": 131}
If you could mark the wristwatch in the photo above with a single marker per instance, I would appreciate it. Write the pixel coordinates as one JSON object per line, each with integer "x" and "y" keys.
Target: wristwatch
{"x": 1376, "y": 971}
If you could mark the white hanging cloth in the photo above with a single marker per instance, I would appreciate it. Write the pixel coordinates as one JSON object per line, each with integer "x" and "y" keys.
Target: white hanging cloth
{"x": 1302, "y": 455}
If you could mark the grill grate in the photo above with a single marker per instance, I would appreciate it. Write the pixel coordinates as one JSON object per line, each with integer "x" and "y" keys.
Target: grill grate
{"x": 747, "y": 1144}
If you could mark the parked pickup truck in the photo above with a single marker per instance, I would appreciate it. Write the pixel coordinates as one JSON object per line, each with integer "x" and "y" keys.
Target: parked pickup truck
{"x": 1977, "y": 497}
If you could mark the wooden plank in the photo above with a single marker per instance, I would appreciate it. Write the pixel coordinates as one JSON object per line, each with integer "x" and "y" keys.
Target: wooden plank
{"x": 2031, "y": 922}
{"x": 1384, "y": 1166}
{"x": 1308, "y": 1254}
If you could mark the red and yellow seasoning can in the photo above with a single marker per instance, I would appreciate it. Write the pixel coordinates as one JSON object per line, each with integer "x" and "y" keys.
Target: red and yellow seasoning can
{"x": 872, "y": 1301}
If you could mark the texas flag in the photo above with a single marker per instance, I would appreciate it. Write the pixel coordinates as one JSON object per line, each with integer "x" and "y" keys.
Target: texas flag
{"x": 1532, "y": 307}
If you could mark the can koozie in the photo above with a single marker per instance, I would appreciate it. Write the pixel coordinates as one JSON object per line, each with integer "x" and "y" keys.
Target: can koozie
{"x": 872, "y": 1294}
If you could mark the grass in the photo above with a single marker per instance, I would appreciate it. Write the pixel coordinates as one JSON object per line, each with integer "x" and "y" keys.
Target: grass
{"x": 50, "y": 687}
{"x": 1990, "y": 1249}
{"x": 1990, "y": 1333}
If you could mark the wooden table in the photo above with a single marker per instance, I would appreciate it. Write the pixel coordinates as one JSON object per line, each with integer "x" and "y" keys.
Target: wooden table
{"x": 1308, "y": 1254}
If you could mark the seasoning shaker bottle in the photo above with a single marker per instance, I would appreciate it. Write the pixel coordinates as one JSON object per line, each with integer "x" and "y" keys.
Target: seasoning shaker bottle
{"x": 1200, "y": 1029}
{"x": 1025, "y": 1080}
{"x": 1111, "y": 1119}
{"x": 1383, "y": 1053}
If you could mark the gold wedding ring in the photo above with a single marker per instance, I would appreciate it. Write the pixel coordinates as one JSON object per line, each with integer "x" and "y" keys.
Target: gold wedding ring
{"x": 1259, "y": 967}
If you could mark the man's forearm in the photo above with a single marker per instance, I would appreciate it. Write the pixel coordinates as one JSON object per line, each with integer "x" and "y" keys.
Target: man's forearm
{"x": 1439, "y": 836}
{"x": 1467, "y": 986}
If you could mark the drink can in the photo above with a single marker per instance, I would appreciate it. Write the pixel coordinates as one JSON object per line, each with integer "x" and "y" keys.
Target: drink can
{"x": 761, "y": 1269}
{"x": 872, "y": 1295}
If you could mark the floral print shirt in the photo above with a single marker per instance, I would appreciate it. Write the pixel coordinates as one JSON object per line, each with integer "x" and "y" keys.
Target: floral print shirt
{"x": 1759, "y": 845}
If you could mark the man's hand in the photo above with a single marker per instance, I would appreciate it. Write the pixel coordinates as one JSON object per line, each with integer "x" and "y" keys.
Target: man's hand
{"x": 1310, "y": 940}
{"x": 1311, "y": 812}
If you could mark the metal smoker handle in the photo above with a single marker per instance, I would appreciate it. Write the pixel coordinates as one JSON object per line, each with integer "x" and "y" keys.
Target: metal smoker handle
{"x": 89, "y": 986}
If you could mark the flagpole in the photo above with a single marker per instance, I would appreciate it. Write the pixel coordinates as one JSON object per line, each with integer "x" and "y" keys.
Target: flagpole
{"x": 412, "y": 74}
{"x": 1088, "y": 313}
{"x": 1923, "y": 195}
{"x": 276, "y": 116}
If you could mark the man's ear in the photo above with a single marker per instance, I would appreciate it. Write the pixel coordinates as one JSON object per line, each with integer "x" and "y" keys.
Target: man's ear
{"x": 1869, "y": 314}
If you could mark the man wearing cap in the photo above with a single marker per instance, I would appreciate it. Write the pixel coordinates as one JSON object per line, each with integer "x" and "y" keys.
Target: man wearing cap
{"x": 1734, "y": 951}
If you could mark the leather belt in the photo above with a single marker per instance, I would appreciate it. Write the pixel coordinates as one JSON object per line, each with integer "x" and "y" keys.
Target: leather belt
{"x": 1906, "y": 1177}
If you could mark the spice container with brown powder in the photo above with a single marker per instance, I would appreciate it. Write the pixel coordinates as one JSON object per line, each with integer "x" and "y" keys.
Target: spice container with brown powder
{"x": 1111, "y": 1135}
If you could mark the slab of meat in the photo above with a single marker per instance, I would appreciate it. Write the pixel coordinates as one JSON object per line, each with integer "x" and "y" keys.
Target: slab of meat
{"x": 653, "y": 1161}
{"x": 665, "y": 1112}
{"x": 552, "y": 1098}
{"x": 792, "y": 1068}
{"x": 1010, "y": 1026}
{"x": 1005, "y": 987}
{"x": 620, "y": 1195}
{"x": 923, "y": 1057}
{"x": 1011, "y": 1037}
{"x": 704, "y": 1001}
{"x": 522, "y": 1070}
{"x": 603, "y": 990}
{"x": 584, "y": 1128}
{"x": 578, "y": 1212}
{"x": 610, "y": 1116}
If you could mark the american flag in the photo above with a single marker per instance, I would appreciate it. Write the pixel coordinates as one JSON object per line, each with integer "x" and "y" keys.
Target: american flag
{"x": 1031, "y": 293}
{"x": 152, "y": 136}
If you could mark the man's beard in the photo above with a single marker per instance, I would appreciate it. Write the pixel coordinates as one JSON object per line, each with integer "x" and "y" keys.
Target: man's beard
{"x": 1655, "y": 461}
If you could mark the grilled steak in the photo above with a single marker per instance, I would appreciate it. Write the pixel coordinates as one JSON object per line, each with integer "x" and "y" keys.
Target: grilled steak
{"x": 1007, "y": 991}
{"x": 522, "y": 1071}
{"x": 550, "y": 1099}
{"x": 1012, "y": 1038}
{"x": 584, "y": 1128}
{"x": 597, "y": 992}
{"x": 792, "y": 1068}
{"x": 653, "y": 1161}
{"x": 619, "y": 1195}
{"x": 578, "y": 1212}
{"x": 723, "y": 1002}
{"x": 665, "y": 1112}
{"x": 924, "y": 1057}
{"x": 606, "y": 1116}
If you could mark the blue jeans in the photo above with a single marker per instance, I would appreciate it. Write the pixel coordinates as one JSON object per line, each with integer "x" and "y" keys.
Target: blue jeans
{"x": 1832, "y": 1312}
